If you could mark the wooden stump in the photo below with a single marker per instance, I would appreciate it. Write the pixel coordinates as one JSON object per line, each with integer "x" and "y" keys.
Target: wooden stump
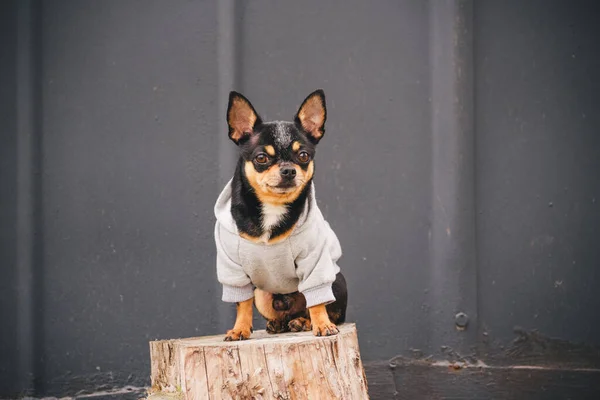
{"x": 282, "y": 366}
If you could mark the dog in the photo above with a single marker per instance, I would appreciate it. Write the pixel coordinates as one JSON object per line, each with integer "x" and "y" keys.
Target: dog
{"x": 274, "y": 247}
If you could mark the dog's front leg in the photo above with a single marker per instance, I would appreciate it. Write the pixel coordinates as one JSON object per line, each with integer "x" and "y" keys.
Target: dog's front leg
{"x": 243, "y": 322}
{"x": 321, "y": 324}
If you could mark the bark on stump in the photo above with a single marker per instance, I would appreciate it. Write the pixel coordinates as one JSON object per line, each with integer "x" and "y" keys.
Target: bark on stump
{"x": 283, "y": 366}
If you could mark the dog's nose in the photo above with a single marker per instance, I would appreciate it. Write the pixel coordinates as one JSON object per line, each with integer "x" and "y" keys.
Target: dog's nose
{"x": 288, "y": 172}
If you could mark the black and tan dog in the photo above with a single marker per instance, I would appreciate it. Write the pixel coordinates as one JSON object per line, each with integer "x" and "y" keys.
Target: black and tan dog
{"x": 273, "y": 245}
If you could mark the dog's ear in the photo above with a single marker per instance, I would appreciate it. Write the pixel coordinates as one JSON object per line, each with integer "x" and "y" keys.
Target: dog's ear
{"x": 241, "y": 117}
{"x": 312, "y": 114}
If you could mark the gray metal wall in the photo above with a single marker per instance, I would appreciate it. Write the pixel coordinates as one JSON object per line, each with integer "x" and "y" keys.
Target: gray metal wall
{"x": 460, "y": 171}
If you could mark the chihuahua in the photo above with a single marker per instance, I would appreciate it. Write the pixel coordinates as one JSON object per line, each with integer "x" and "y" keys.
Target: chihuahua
{"x": 274, "y": 247}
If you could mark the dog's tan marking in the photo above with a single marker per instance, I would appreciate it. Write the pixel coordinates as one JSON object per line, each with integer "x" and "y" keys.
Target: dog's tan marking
{"x": 321, "y": 325}
{"x": 270, "y": 150}
{"x": 264, "y": 183}
{"x": 296, "y": 146}
{"x": 309, "y": 171}
{"x": 264, "y": 305}
{"x": 282, "y": 236}
{"x": 255, "y": 239}
{"x": 243, "y": 322}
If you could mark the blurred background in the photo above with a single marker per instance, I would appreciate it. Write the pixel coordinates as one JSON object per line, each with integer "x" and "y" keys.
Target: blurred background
{"x": 460, "y": 170}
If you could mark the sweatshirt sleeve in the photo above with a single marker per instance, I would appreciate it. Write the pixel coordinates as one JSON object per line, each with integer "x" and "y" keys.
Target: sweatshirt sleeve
{"x": 317, "y": 250}
{"x": 237, "y": 286}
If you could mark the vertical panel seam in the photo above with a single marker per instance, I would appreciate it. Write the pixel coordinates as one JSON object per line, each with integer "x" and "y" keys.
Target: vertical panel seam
{"x": 453, "y": 268}
{"x": 29, "y": 212}
{"x": 226, "y": 76}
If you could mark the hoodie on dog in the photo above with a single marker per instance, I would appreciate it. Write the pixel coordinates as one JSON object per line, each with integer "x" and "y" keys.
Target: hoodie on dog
{"x": 306, "y": 261}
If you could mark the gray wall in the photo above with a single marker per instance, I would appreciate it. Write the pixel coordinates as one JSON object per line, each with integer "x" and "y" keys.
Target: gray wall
{"x": 538, "y": 168}
{"x": 460, "y": 171}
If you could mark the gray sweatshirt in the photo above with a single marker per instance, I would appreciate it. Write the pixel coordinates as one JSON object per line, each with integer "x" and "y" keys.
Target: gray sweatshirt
{"x": 305, "y": 261}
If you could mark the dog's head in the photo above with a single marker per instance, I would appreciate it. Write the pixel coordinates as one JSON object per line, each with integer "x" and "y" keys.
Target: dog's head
{"x": 278, "y": 157}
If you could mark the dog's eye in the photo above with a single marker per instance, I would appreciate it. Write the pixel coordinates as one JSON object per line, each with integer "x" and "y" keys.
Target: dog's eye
{"x": 261, "y": 158}
{"x": 303, "y": 157}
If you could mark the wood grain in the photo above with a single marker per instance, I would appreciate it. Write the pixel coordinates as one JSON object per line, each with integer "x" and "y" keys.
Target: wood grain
{"x": 294, "y": 366}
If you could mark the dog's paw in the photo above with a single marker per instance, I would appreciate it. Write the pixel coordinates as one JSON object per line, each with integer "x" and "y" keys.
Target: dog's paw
{"x": 276, "y": 326}
{"x": 299, "y": 324}
{"x": 325, "y": 329}
{"x": 238, "y": 334}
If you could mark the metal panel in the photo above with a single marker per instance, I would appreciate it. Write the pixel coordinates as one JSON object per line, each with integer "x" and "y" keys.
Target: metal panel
{"x": 129, "y": 165}
{"x": 537, "y": 158}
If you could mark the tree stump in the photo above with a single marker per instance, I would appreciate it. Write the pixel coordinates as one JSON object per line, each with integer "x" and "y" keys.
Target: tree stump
{"x": 282, "y": 366}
